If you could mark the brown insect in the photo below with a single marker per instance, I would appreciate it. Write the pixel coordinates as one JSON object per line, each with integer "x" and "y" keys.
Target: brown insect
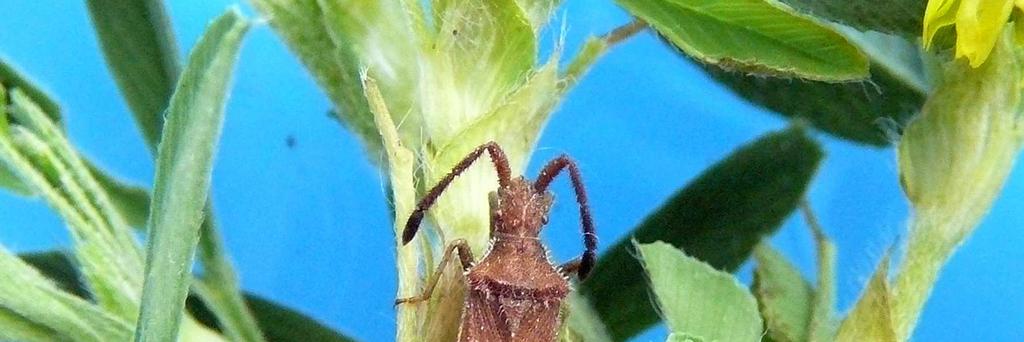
{"x": 514, "y": 292}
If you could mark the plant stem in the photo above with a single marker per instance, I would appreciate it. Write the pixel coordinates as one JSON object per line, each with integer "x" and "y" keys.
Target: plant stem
{"x": 927, "y": 251}
{"x": 400, "y": 169}
{"x": 624, "y": 32}
{"x": 595, "y": 47}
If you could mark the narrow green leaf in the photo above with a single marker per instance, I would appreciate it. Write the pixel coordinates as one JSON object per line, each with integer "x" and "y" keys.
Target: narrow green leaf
{"x": 718, "y": 218}
{"x": 184, "y": 163}
{"x": 140, "y": 51}
{"x": 753, "y": 36}
{"x": 139, "y": 48}
{"x": 14, "y": 327}
{"x": 28, "y": 294}
{"x": 60, "y": 269}
{"x": 697, "y": 300}
{"x": 10, "y": 78}
{"x": 822, "y": 326}
{"x": 871, "y": 318}
{"x": 131, "y": 202}
{"x": 279, "y": 322}
{"x": 870, "y": 112}
{"x": 783, "y": 296}
{"x": 902, "y": 17}
{"x": 38, "y": 151}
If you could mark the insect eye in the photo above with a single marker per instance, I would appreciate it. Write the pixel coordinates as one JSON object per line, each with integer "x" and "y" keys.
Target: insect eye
{"x": 544, "y": 219}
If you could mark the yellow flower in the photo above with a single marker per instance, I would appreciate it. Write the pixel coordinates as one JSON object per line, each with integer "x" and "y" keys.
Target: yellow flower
{"x": 978, "y": 24}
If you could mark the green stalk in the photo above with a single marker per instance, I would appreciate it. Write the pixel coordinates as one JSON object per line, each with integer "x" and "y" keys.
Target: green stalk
{"x": 400, "y": 168}
{"x": 954, "y": 161}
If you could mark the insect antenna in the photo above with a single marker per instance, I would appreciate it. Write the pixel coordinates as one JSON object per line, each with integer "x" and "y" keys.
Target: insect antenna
{"x": 548, "y": 174}
{"x": 500, "y": 165}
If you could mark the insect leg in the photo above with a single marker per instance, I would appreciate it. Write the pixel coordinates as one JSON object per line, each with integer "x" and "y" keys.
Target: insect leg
{"x": 465, "y": 257}
{"x": 548, "y": 174}
{"x": 500, "y": 165}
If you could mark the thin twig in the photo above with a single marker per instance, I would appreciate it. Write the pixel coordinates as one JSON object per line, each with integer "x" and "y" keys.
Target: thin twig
{"x": 624, "y": 32}
{"x": 595, "y": 47}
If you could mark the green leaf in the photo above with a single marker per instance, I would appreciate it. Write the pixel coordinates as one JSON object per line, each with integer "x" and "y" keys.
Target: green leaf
{"x": 132, "y": 202}
{"x": 902, "y": 17}
{"x": 718, "y": 218}
{"x": 26, "y": 293}
{"x": 10, "y": 78}
{"x": 783, "y": 296}
{"x": 869, "y": 112}
{"x": 184, "y": 163}
{"x": 822, "y": 326}
{"x": 279, "y": 323}
{"x": 14, "y": 327}
{"x": 39, "y": 152}
{"x": 697, "y": 300}
{"x": 60, "y": 269}
{"x": 753, "y": 36}
{"x": 871, "y": 318}
{"x": 140, "y": 51}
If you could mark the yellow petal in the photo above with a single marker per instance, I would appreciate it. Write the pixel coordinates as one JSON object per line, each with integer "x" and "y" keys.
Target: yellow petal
{"x": 939, "y": 14}
{"x": 978, "y": 24}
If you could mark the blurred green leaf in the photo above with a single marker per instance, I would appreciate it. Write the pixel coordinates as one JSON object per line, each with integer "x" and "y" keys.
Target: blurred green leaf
{"x": 132, "y": 202}
{"x": 60, "y": 269}
{"x": 279, "y": 323}
{"x": 902, "y": 17}
{"x": 28, "y": 294}
{"x": 871, "y": 112}
{"x": 14, "y": 327}
{"x": 718, "y": 218}
{"x": 783, "y": 296}
{"x": 822, "y": 326}
{"x": 697, "y": 300}
{"x": 140, "y": 51}
{"x": 184, "y": 164}
{"x": 42, "y": 157}
{"x": 753, "y": 36}
{"x": 10, "y": 78}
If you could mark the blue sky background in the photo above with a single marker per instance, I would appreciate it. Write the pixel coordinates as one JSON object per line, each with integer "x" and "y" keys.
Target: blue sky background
{"x": 308, "y": 225}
